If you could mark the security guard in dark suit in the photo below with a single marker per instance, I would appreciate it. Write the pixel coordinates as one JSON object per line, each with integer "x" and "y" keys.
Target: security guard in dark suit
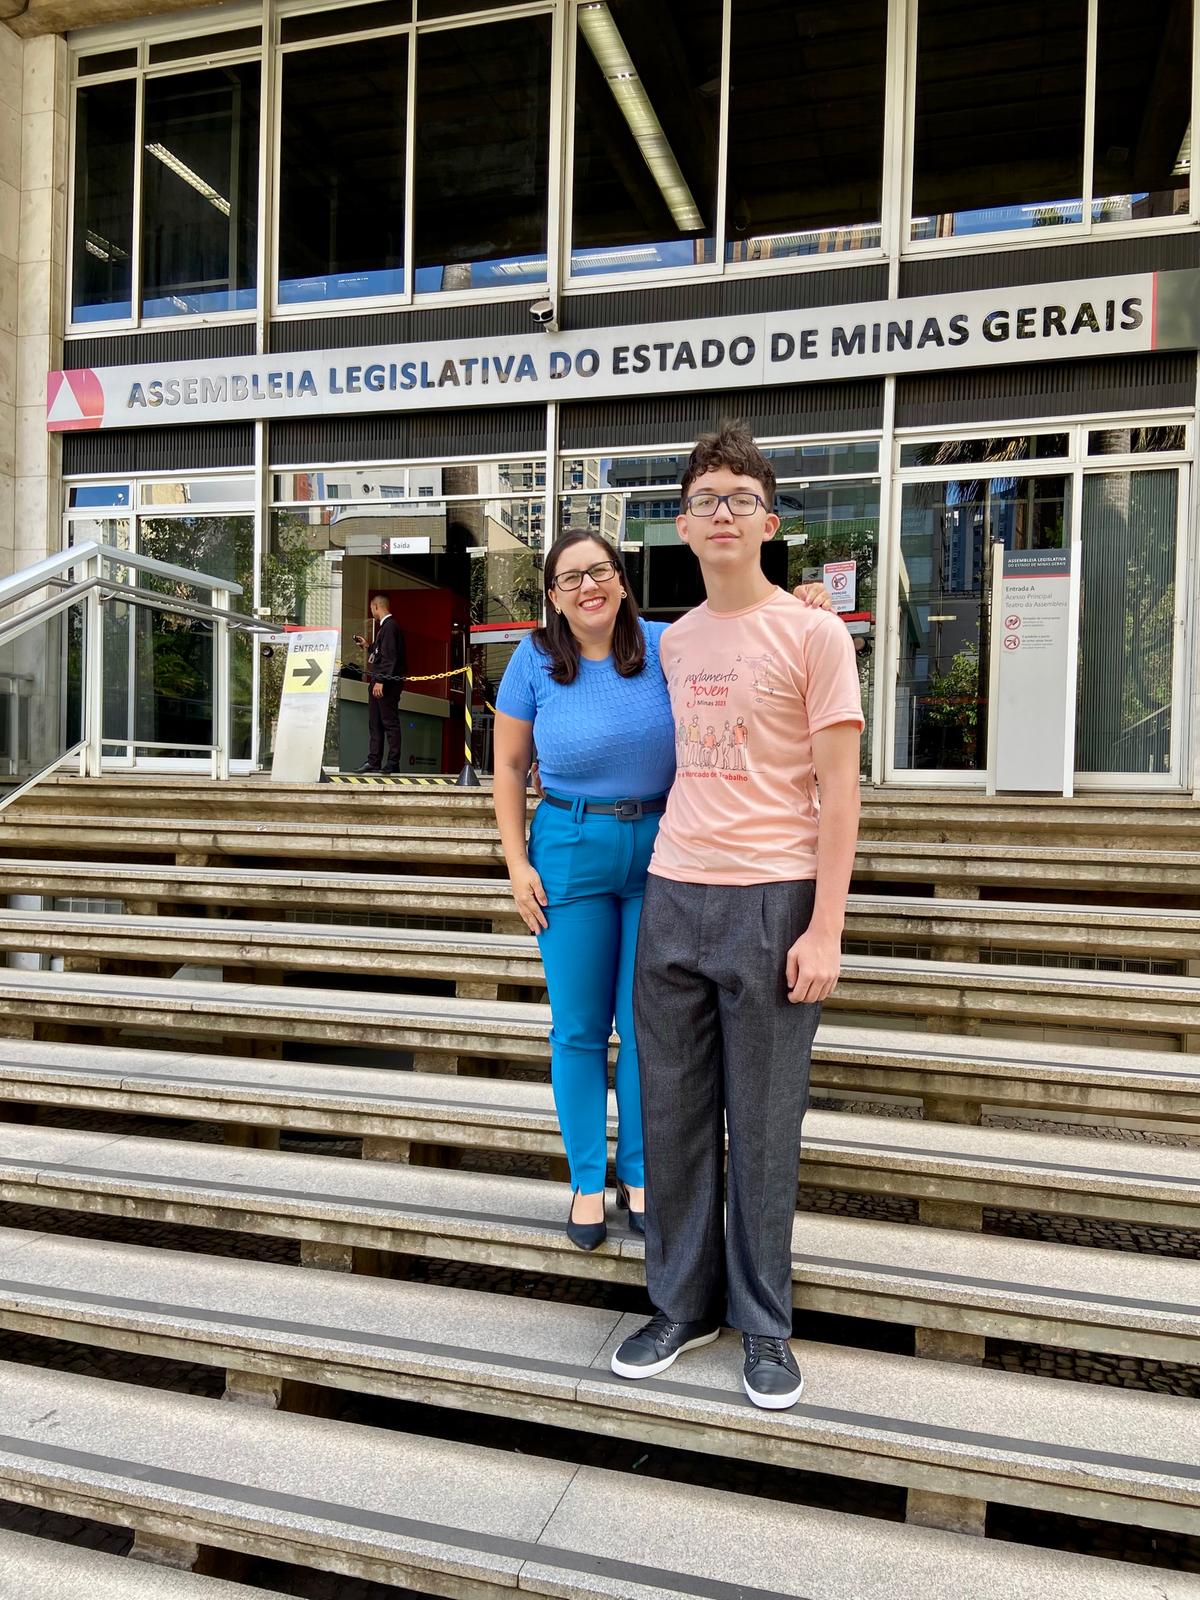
{"x": 385, "y": 675}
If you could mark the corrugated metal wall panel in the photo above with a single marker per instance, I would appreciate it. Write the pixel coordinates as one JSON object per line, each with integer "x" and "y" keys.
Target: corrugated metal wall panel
{"x": 1002, "y": 269}
{"x": 172, "y": 344}
{"x": 488, "y": 319}
{"x": 407, "y": 436}
{"x": 1046, "y": 389}
{"x": 674, "y": 419}
{"x": 725, "y": 298}
{"x": 185, "y": 448}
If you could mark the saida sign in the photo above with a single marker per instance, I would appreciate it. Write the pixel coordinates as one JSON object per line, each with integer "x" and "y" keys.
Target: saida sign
{"x": 1123, "y": 315}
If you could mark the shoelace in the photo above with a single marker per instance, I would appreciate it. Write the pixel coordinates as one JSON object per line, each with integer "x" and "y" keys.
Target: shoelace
{"x": 759, "y": 1347}
{"x": 659, "y": 1327}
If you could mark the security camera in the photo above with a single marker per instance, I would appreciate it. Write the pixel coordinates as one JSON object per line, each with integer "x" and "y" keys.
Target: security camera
{"x": 542, "y": 312}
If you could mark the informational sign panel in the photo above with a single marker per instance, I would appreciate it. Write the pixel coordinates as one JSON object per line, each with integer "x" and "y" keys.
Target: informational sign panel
{"x": 1034, "y": 644}
{"x": 407, "y": 544}
{"x": 841, "y": 584}
{"x": 976, "y": 328}
{"x": 304, "y": 705}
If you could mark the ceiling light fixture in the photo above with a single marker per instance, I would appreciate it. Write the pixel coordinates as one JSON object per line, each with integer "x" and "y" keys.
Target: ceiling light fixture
{"x": 1183, "y": 161}
{"x": 182, "y": 170}
{"x": 606, "y": 44}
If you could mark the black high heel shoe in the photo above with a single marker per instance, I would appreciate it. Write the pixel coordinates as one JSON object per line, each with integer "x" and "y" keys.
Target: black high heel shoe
{"x": 585, "y": 1235}
{"x": 637, "y": 1219}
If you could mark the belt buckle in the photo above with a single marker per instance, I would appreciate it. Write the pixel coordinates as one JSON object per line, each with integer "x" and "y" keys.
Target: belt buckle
{"x": 629, "y": 810}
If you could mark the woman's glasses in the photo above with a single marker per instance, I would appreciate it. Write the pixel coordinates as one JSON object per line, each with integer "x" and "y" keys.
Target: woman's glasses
{"x": 602, "y": 572}
{"x": 742, "y": 503}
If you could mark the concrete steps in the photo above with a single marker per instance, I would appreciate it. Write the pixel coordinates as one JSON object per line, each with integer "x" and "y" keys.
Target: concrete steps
{"x": 460, "y": 1518}
{"x": 336, "y": 1207}
{"x": 129, "y": 1297}
{"x": 954, "y": 1075}
{"x": 38, "y": 1569}
{"x": 947, "y": 993}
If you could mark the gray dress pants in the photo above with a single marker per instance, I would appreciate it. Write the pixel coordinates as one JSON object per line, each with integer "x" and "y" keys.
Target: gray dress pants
{"x": 720, "y": 1044}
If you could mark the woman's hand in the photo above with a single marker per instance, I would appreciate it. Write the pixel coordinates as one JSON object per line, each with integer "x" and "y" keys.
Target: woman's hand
{"x": 814, "y": 594}
{"x": 527, "y": 891}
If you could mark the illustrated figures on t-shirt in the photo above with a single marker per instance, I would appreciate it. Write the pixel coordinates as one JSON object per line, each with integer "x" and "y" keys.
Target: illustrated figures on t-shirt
{"x": 762, "y": 668}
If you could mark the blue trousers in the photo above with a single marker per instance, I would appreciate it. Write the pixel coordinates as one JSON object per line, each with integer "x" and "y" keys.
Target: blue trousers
{"x": 593, "y": 869}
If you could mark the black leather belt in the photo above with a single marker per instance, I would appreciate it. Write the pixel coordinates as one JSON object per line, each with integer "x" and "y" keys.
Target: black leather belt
{"x": 623, "y": 810}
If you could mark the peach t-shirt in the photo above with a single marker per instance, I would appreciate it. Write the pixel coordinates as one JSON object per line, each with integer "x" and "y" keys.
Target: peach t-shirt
{"x": 748, "y": 691}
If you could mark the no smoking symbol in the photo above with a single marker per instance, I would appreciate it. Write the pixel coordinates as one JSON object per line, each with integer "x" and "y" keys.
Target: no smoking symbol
{"x": 1012, "y": 642}
{"x": 1012, "y": 622}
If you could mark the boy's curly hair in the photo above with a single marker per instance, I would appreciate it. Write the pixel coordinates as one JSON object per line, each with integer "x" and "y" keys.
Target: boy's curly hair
{"x": 732, "y": 446}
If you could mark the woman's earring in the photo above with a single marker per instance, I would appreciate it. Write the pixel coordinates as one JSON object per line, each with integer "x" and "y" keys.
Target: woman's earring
{"x": 622, "y": 594}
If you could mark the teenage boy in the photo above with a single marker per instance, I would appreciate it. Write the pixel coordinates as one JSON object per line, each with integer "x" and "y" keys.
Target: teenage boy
{"x": 741, "y": 930}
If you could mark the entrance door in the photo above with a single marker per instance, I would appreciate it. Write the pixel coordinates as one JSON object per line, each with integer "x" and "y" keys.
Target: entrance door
{"x": 949, "y": 531}
{"x": 1130, "y": 664}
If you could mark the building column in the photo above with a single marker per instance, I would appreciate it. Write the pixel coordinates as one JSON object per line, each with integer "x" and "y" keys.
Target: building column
{"x": 11, "y": 58}
{"x": 41, "y": 290}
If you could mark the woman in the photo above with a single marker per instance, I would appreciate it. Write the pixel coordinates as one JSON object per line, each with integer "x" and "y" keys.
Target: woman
{"x": 589, "y": 687}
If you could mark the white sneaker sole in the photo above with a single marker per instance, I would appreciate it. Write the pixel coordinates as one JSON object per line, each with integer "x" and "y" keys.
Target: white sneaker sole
{"x": 625, "y": 1370}
{"x": 774, "y": 1402}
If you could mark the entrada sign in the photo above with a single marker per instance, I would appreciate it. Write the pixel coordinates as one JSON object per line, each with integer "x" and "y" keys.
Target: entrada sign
{"x": 1105, "y": 316}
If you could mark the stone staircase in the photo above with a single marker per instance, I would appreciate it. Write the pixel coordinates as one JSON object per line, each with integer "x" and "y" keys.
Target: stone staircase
{"x": 320, "y": 1186}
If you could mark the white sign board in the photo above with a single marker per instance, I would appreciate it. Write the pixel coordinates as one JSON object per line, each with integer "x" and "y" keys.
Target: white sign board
{"x": 409, "y": 544}
{"x": 976, "y": 328}
{"x": 304, "y": 705}
{"x": 841, "y": 584}
{"x": 1034, "y": 644}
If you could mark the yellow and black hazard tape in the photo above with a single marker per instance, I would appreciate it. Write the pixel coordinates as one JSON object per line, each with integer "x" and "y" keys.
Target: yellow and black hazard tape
{"x": 384, "y": 780}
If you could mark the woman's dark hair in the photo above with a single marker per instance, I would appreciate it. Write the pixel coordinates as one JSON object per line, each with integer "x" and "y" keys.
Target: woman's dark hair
{"x": 556, "y": 639}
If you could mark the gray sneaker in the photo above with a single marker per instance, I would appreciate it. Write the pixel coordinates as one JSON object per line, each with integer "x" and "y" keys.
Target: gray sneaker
{"x": 653, "y": 1348}
{"x": 770, "y": 1374}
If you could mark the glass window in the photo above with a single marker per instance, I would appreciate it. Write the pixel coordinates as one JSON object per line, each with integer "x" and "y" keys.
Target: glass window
{"x": 999, "y": 116}
{"x": 623, "y": 472}
{"x": 199, "y": 191}
{"x": 823, "y": 460}
{"x": 208, "y": 44}
{"x": 98, "y": 494}
{"x": 647, "y": 106}
{"x": 956, "y": 452}
{"x": 947, "y": 536}
{"x": 102, "y": 271}
{"x": 109, "y": 61}
{"x": 344, "y": 19}
{"x": 482, "y": 158}
{"x": 1149, "y": 440}
{"x": 1143, "y": 109}
{"x": 341, "y": 170}
{"x": 805, "y": 128}
{"x": 196, "y": 491}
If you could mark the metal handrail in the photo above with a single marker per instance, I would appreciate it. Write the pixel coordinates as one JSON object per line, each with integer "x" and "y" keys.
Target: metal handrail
{"x": 19, "y": 584}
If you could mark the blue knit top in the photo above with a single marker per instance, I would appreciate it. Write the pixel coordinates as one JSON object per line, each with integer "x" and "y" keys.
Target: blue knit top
{"x": 603, "y": 737}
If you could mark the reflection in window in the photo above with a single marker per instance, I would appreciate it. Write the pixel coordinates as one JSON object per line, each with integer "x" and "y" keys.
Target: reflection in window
{"x": 968, "y": 452}
{"x": 823, "y": 460}
{"x": 647, "y": 105}
{"x": 102, "y": 273}
{"x": 999, "y": 116}
{"x": 947, "y": 531}
{"x": 341, "y": 171}
{"x": 805, "y": 128}
{"x": 1143, "y": 109}
{"x": 200, "y": 191}
{"x": 482, "y": 157}
{"x": 617, "y": 472}
{"x": 1148, "y": 440}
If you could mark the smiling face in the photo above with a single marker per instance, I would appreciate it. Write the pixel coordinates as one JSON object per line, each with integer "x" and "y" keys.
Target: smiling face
{"x": 590, "y": 611}
{"x": 724, "y": 542}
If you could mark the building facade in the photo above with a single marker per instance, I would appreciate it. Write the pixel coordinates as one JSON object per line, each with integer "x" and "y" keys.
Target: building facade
{"x": 948, "y": 230}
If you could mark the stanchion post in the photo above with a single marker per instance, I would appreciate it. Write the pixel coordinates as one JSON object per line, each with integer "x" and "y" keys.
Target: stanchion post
{"x": 468, "y": 778}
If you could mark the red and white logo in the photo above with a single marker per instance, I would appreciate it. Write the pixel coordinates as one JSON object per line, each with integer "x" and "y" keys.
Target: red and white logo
{"x": 74, "y": 399}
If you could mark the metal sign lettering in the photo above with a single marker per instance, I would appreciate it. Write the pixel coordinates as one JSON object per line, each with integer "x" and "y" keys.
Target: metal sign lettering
{"x": 987, "y": 327}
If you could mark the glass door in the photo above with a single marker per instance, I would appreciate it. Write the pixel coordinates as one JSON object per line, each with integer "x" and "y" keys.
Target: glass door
{"x": 1130, "y": 663}
{"x": 949, "y": 531}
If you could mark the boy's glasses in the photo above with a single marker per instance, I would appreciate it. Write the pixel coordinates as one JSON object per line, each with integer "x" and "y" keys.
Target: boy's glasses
{"x": 742, "y": 503}
{"x": 602, "y": 572}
